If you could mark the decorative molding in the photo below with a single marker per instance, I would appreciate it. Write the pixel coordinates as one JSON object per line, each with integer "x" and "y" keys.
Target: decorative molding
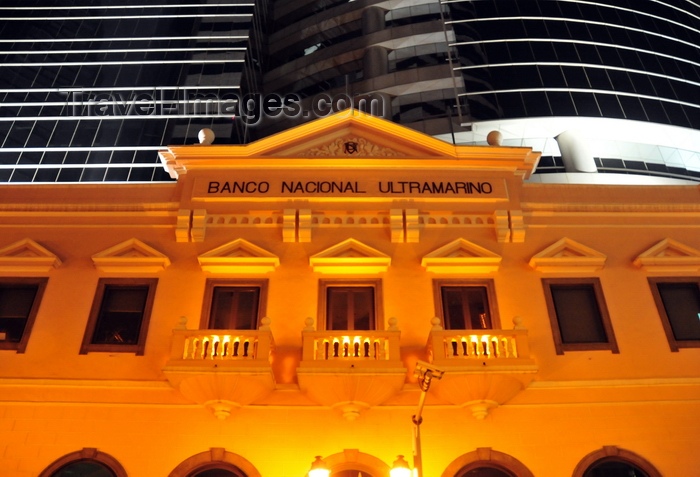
{"x": 568, "y": 255}
{"x": 131, "y": 256}
{"x": 461, "y": 257}
{"x": 27, "y": 256}
{"x": 669, "y": 256}
{"x": 239, "y": 256}
{"x": 350, "y": 257}
{"x": 351, "y": 146}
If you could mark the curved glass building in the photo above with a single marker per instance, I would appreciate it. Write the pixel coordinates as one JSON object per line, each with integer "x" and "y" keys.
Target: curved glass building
{"x": 397, "y": 52}
{"x": 597, "y": 86}
{"x": 616, "y": 82}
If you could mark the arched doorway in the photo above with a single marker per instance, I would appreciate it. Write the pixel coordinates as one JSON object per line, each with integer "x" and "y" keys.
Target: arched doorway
{"x": 84, "y": 468}
{"x": 483, "y": 471}
{"x": 216, "y": 462}
{"x": 88, "y": 462}
{"x": 611, "y": 461}
{"x": 614, "y": 468}
{"x": 351, "y": 473}
{"x": 486, "y": 462}
{"x": 217, "y": 470}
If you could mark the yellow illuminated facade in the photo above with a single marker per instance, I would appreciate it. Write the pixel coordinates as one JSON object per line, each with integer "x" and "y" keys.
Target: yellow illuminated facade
{"x": 271, "y": 305}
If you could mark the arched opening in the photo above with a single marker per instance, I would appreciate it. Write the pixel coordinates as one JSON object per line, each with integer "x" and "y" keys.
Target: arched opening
{"x": 485, "y": 471}
{"x": 216, "y": 462}
{"x": 351, "y": 473}
{"x": 614, "y": 468}
{"x": 611, "y": 461}
{"x": 353, "y": 463}
{"x": 88, "y": 462}
{"x": 84, "y": 468}
{"x": 217, "y": 469}
{"x": 486, "y": 462}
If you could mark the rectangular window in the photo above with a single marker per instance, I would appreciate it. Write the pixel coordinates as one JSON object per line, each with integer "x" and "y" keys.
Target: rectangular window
{"x": 678, "y": 302}
{"x": 349, "y": 305}
{"x": 119, "y": 316}
{"x": 19, "y": 303}
{"x": 233, "y": 304}
{"x": 578, "y": 315}
{"x": 466, "y": 305}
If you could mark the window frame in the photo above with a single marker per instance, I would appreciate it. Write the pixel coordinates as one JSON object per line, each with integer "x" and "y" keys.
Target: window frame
{"x": 673, "y": 343}
{"x": 40, "y": 282}
{"x": 560, "y": 346}
{"x": 139, "y": 347}
{"x": 438, "y": 284}
{"x": 324, "y": 285}
{"x": 212, "y": 283}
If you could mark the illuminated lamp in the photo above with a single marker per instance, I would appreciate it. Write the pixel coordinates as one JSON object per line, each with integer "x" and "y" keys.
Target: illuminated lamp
{"x": 319, "y": 468}
{"x": 400, "y": 468}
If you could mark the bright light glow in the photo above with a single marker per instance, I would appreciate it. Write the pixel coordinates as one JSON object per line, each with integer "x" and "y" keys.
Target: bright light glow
{"x": 400, "y": 468}
{"x": 319, "y": 468}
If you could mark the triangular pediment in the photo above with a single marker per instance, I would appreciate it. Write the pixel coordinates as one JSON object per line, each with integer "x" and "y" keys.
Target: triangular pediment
{"x": 131, "y": 256}
{"x": 350, "y": 257}
{"x": 567, "y": 255}
{"x": 239, "y": 256}
{"x": 27, "y": 256}
{"x": 669, "y": 256}
{"x": 348, "y": 134}
{"x": 461, "y": 257}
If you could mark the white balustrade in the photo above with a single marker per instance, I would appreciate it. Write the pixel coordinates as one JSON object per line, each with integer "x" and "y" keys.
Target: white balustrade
{"x": 481, "y": 345}
{"x": 192, "y": 345}
{"x": 351, "y": 346}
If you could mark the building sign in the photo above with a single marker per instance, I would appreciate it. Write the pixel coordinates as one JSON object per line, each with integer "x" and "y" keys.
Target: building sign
{"x": 364, "y": 184}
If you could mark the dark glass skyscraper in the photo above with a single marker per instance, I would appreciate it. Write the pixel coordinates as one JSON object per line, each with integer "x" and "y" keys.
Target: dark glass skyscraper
{"x": 620, "y": 77}
{"x": 90, "y": 89}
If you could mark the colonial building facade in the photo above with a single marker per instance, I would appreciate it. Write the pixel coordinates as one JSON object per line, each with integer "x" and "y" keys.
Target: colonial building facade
{"x": 274, "y": 303}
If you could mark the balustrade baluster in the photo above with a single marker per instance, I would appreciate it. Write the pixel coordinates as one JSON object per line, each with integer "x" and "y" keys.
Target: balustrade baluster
{"x": 336, "y": 348}
{"x": 246, "y": 345}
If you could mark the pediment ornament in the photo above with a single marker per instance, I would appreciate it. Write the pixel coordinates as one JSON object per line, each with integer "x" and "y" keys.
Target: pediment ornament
{"x": 350, "y": 257}
{"x": 27, "y": 256}
{"x": 462, "y": 257}
{"x": 669, "y": 256}
{"x": 130, "y": 256}
{"x": 238, "y": 256}
{"x": 567, "y": 255}
{"x": 351, "y": 147}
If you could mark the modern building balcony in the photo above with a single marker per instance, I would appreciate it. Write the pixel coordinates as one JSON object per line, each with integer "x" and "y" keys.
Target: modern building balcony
{"x": 222, "y": 369}
{"x": 483, "y": 368}
{"x": 351, "y": 370}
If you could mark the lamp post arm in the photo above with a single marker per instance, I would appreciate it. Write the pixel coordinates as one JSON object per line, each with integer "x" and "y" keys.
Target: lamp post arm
{"x": 426, "y": 373}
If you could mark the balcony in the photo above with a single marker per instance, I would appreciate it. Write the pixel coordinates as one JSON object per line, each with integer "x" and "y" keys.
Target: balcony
{"x": 483, "y": 368}
{"x": 351, "y": 371}
{"x": 221, "y": 369}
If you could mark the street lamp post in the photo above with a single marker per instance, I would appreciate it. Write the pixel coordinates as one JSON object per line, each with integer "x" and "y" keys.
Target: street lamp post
{"x": 425, "y": 373}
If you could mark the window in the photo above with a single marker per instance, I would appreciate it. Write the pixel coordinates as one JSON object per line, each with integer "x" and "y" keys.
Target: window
{"x": 466, "y": 305}
{"x": 119, "y": 316}
{"x": 19, "y": 303}
{"x": 578, "y": 315}
{"x": 349, "y": 305}
{"x": 233, "y": 305}
{"x": 678, "y": 301}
